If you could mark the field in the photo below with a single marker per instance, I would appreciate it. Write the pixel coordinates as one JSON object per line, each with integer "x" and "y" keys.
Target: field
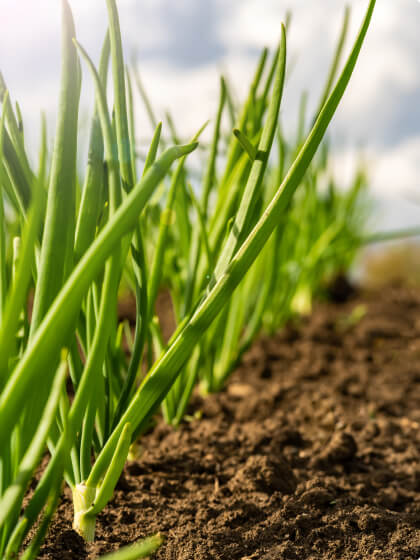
{"x": 184, "y": 368}
{"x": 311, "y": 452}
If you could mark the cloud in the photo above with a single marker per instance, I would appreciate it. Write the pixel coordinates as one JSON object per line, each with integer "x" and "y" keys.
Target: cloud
{"x": 398, "y": 168}
{"x": 183, "y": 46}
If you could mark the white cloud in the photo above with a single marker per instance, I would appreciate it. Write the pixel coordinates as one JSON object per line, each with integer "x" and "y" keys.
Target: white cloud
{"x": 393, "y": 171}
{"x": 398, "y": 169}
{"x": 379, "y": 109}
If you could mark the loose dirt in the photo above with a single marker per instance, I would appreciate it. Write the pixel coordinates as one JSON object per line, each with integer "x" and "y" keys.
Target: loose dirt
{"x": 312, "y": 452}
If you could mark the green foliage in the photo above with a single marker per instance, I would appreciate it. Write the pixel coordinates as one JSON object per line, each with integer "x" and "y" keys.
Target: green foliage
{"x": 254, "y": 247}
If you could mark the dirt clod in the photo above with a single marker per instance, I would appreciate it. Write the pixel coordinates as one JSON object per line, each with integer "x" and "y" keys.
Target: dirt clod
{"x": 262, "y": 474}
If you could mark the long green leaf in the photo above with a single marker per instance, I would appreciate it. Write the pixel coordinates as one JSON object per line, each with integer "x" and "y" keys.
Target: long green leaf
{"x": 3, "y": 264}
{"x": 93, "y": 190}
{"x": 11, "y": 500}
{"x": 120, "y": 102}
{"x": 58, "y": 239}
{"x": 18, "y": 292}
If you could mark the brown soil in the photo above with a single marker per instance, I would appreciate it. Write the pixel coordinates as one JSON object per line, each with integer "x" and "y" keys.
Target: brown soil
{"x": 313, "y": 451}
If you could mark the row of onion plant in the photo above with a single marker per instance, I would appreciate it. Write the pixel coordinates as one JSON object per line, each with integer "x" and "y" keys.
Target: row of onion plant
{"x": 65, "y": 381}
{"x": 193, "y": 237}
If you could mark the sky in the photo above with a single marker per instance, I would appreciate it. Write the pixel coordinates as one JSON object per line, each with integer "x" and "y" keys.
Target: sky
{"x": 182, "y": 47}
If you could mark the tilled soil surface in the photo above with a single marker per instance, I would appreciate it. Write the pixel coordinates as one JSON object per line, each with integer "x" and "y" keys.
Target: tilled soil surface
{"x": 313, "y": 451}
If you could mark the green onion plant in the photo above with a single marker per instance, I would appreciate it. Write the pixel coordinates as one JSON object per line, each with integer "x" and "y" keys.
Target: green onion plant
{"x": 66, "y": 382}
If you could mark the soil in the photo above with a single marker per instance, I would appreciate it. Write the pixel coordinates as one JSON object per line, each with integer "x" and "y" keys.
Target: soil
{"x": 312, "y": 452}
